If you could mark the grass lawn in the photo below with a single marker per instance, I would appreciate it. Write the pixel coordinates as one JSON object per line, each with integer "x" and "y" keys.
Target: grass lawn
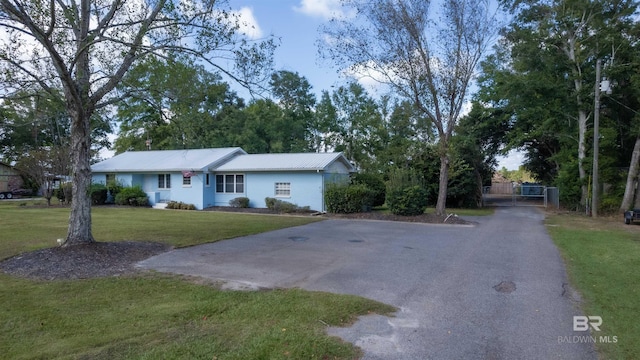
{"x": 28, "y": 227}
{"x": 603, "y": 261}
{"x": 155, "y": 316}
{"x": 485, "y": 211}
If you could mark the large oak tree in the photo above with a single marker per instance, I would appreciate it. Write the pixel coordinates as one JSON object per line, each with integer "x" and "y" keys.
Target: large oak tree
{"x": 85, "y": 47}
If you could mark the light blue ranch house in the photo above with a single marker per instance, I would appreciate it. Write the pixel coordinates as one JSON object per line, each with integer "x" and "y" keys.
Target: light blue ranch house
{"x": 213, "y": 177}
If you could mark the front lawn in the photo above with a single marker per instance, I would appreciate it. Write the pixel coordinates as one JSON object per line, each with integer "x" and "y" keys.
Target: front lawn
{"x": 603, "y": 263}
{"x": 154, "y": 316}
{"x": 26, "y": 227}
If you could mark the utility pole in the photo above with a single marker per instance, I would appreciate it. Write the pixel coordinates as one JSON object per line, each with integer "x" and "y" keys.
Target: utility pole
{"x": 596, "y": 141}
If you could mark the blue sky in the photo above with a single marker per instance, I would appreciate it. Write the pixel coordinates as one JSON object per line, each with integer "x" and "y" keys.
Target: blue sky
{"x": 296, "y": 23}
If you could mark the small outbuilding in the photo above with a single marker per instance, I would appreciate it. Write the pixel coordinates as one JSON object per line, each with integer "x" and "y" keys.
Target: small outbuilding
{"x": 213, "y": 177}
{"x": 10, "y": 178}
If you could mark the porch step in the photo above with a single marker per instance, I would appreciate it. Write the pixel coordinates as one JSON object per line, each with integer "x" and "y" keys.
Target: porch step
{"x": 160, "y": 206}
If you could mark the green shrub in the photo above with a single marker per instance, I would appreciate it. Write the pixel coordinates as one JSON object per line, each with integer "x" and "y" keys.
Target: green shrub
{"x": 409, "y": 201}
{"x": 406, "y": 193}
{"x": 172, "y": 205}
{"x": 375, "y": 184}
{"x": 239, "y": 202}
{"x": 63, "y": 193}
{"x": 98, "y": 194}
{"x": 270, "y": 202}
{"x": 180, "y": 206}
{"x": 283, "y": 206}
{"x": 133, "y": 196}
{"x": 114, "y": 187}
{"x": 346, "y": 199}
{"x": 609, "y": 205}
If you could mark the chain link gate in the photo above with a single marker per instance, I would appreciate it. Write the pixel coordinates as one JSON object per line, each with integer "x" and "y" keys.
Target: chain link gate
{"x": 515, "y": 194}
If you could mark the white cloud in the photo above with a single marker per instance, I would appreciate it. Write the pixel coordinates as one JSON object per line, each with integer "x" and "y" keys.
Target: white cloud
{"x": 325, "y": 9}
{"x": 248, "y": 23}
{"x": 512, "y": 161}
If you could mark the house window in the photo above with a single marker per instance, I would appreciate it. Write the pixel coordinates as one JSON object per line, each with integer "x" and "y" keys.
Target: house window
{"x": 164, "y": 181}
{"x": 111, "y": 179}
{"x": 283, "y": 189}
{"x": 186, "y": 180}
{"x": 230, "y": 183}
{"x": 207, "y": 181}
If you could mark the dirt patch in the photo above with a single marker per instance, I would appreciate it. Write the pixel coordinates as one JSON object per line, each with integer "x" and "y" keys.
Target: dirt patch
{"x": 98, "y": 259}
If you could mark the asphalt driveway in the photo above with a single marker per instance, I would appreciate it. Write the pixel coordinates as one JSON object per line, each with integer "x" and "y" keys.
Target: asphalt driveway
{"x": 497, "y": 290}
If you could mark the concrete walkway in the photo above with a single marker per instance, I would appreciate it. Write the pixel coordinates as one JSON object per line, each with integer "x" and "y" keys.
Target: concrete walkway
{"x": 497, "y": 290}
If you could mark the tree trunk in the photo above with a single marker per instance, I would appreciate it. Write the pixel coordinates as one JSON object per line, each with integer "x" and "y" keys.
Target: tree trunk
{"x": 582, "y": 131}
{"x": 632, "y": 177}
{"x": 79, "y": 231}
{"x": 570, "y": 51}
{"x": 636, "y": 204}
{"x": 479, "y": 195}
{"x": 442, "y": 186}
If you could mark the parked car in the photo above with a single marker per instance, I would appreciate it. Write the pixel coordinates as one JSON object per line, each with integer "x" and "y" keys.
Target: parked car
{"x": 631, "y": 215}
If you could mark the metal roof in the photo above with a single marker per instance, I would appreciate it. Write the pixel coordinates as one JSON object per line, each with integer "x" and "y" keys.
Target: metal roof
{"x": 284, "y": 162}
{"x": 167, "y": 160}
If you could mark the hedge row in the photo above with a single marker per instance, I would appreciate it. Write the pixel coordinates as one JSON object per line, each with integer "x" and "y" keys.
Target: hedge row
{"x": 348, "y": 198}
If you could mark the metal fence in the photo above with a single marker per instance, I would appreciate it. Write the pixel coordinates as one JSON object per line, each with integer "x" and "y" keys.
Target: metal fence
{"x": 514, "y": 194}
{"x": 552, "y": 197}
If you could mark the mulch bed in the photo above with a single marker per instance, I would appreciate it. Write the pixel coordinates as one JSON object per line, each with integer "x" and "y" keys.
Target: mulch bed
{"x": 372, "y": 215}
{"x": 97, "y": 259}
{"x": 424, "y": 218}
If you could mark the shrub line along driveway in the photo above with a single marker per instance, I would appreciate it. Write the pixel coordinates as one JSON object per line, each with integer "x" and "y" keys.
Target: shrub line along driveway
{"x": 497, "y": 290}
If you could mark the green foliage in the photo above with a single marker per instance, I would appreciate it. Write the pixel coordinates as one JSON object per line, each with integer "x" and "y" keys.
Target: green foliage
{"x": 283, "y": 206}
{"x": 29, "y": 183}
{"x": 239, "y": 202}
{"x": 478, "y": 139}
{"x": 408, "y": 201}
{"x": 360, "y": 126}
{"x": 114, "y": 187}
{"x": 609, "y": 205}
{"x": 521, "y": 175}
{"x": 463, "y": 190}
{"x": 133, "y": 196}
{"x": 270, "y": 202}
{"x": 375, "y": 183}
{"x": 348, "y": 198}
{"x": 295, "y": 97}
{"x": 568, "y": 186}
{"x": 179, "y": 205}
{"x": 63, "y": 193}
{"x": 98, "y": 194}
{"x": 405, "y": 194}
{"x": 202, "y": 106}
{"x": 545, "y": 93}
